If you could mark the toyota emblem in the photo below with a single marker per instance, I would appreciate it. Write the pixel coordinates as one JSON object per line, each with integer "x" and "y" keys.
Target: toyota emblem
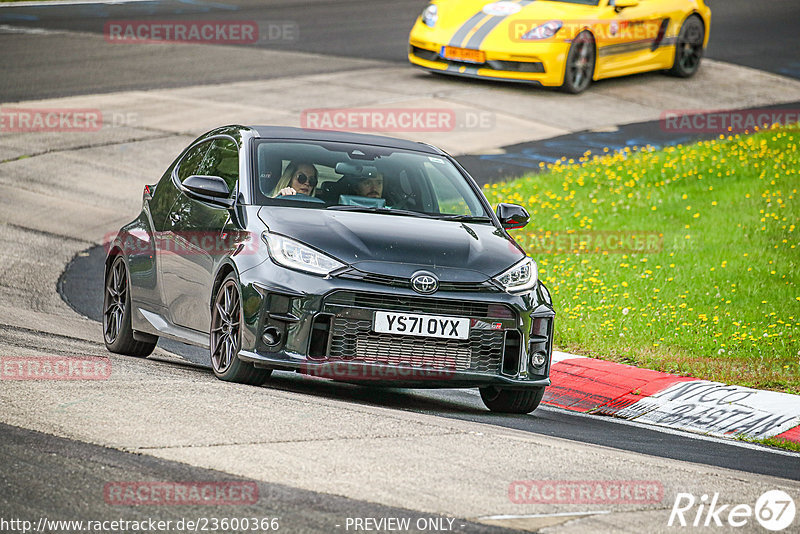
{"x": 425, "y": 283}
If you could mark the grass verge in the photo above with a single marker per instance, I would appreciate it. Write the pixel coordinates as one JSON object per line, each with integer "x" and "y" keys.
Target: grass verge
{"x": 775, "y": 442}
{"x": 684, "y": 260}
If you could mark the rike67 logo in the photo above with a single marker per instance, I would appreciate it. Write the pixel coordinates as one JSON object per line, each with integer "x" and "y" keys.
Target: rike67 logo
{"x": 774, "y": 510}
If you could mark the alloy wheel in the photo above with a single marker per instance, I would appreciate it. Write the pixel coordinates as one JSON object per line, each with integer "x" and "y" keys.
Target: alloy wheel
{"x": 579, "y": 69}
{"x": 582, "y": 63}
{"x": 114, "y": 303}
{"x": 691, "y": 46}
{"x": 225, "y": 323}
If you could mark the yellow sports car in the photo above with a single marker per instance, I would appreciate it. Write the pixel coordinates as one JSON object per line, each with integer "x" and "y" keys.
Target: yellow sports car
{"x": 560, "y": 43}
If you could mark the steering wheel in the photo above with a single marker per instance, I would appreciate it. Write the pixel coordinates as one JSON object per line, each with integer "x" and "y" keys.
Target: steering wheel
{"x": 404, "y": 201}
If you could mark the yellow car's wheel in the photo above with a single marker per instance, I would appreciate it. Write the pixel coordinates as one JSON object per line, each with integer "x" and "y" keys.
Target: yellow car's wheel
{"x": 579, "y": 68}
{"x": 689, "y": 48}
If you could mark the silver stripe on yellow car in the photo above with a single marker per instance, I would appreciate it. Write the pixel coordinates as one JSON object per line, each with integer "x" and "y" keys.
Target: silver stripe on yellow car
{"x": 477, "y": 38}
{"x": 464, "y": 30}
{"x": 473, "y": 22}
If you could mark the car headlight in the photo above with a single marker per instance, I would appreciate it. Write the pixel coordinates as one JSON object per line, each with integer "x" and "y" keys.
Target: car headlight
{"x": 520, "y": 277}
{"x": 430, "y": 15}
{"x": 543, "y": 31}
{"x": 295, "y": 255}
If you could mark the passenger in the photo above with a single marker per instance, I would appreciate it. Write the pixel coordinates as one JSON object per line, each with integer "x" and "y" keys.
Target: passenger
{"x": 299, "y": 177}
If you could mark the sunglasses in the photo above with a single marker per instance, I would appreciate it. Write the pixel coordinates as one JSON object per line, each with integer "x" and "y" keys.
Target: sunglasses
{"x": 302, "y": 178}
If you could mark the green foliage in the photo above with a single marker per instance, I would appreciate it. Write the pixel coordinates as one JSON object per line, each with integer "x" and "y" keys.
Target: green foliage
{"x": 684, "y": 260}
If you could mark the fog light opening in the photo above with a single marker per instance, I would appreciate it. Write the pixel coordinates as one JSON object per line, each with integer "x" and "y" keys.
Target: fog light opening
{"x": 271, "y": 336}
{"x": 511, "y": 353}
{"x": 538, "y": 359}
{"x": 320, "y": 334}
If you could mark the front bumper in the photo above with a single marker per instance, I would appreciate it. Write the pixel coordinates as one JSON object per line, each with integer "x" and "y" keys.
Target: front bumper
{"x": 538, "y": 63}
{"x": 326, "y": 331}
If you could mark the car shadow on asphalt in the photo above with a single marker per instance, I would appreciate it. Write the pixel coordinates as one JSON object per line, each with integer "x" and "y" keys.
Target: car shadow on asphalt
{"x": 399, "y": 398}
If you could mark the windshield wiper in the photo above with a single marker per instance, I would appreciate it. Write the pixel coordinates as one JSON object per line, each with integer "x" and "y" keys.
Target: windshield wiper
{"x": 465, "y": 218}
{"x": 373, "y": 209}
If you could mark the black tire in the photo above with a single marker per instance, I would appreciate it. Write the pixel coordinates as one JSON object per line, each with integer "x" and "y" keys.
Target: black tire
{"x": 117, "y": 332}
{"x": 512, "y": 400}
{"x": 225, "y": 338}
{"x": 579, "y": 67}
{"x": 689, "y": 48}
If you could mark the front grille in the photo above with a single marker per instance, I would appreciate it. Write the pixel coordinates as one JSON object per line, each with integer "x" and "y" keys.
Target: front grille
{"x": 353, "y": 340}
{"x": 395, "y": 281}
{"x": 517, "y": 66}
{"x": 428, "y": 55}
{"x": 420, "y": 305}
{"x": 513, "y": 66}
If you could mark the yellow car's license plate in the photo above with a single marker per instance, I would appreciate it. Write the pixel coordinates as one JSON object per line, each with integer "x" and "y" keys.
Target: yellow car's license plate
{"x": 463, "y": 54}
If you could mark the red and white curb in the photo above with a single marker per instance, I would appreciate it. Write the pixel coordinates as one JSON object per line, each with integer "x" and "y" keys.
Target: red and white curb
{"x": 596, "y": 386}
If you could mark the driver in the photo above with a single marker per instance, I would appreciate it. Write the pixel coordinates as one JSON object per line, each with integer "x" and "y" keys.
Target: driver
{"x": 299, "y": 177}
{"x": 371, "y": 186}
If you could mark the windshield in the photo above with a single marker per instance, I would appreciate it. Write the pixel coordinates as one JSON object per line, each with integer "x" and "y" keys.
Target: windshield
{"x": 343, "y": 176}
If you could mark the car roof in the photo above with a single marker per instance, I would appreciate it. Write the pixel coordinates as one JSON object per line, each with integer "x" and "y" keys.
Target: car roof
{"x": 285, "y": 132}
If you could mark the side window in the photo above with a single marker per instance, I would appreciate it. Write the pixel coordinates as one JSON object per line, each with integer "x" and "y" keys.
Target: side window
{"x": 192, "y": 160}
{"x": 222, "y": 160}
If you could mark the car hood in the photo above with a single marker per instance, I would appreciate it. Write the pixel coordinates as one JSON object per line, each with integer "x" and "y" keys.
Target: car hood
{"x": 462, "y": 17}
{"x": 394, "y": 245}
{"x": 456, "y": 13}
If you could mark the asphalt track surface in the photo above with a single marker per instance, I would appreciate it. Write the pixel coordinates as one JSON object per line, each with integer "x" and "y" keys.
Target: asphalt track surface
{"x": 81, "y": 284}
{"x": 63, "y": 477}
{"x": 761, "y": 35}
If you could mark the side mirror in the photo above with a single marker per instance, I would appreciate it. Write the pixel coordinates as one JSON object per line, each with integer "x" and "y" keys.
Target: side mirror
{"x": 208, "y": 188}
{"x": 619, "y": 5}
{"x": 512, "y": 215}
